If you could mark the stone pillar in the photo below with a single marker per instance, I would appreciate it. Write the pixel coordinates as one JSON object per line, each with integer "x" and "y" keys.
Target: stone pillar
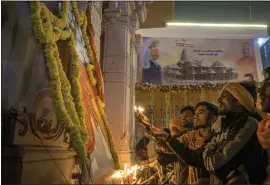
{"x": 120, "y": 23}
{"x": 258, "y": 60}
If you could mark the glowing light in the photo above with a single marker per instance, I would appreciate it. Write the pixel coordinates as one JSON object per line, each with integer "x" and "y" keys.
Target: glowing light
{"x": 261, "y": 41}
{"x": 128, "y": 174}
{"x": 217, "y": 25}
{"x": 140, "y": 109}
{"x": 117, "y": 175}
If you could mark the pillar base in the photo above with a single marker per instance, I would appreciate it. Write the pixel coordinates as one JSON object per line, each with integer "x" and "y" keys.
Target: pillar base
{"x": 126, "y": 157}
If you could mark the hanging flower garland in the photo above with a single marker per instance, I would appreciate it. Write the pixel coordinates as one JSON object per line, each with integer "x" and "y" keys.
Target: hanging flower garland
{"x": 76, "y": 87}
{"x": 82, "y": 21}
{"x": 109, "y": 134}
{"x": 176, "y": 88}
{"x": 59, "y": 86}
{"x": 90, "y": 71}
{"x": 91, "y": 36}
{"x": 180, "y": 88}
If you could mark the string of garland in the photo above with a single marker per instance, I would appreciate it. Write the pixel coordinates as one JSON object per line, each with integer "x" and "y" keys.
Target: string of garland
{"x": 90, "y": 71}
{"x": 82, "y": 20}
{"x": 76, "y": 87}
{"x": 59, "y": 86}
{"x": 100, "y": 82}
{"x": 176, "y": 88}
{"x": 109, "y": 134}
{"x": 167, "y": 108}
{"x": 180, "y": 88}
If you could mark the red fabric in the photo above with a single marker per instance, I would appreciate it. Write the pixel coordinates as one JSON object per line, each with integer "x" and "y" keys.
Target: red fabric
{"x": 87, "y": 94}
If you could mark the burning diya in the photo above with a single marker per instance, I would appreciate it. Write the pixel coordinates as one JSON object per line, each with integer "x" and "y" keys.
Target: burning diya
{"x": 128, "y": 175}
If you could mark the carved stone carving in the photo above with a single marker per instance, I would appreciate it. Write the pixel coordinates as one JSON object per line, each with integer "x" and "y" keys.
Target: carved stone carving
{"x": 45, "y": 124}
{"x": 24, "y": 121}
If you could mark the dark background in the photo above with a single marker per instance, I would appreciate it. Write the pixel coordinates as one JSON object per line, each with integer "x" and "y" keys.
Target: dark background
{"x": 223, "y": 12}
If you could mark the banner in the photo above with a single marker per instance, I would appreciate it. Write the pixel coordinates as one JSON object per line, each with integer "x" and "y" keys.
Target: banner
{"x": 182, "y": 61}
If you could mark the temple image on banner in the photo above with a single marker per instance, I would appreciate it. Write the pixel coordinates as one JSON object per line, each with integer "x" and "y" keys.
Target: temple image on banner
{"x": 181, "y": 61}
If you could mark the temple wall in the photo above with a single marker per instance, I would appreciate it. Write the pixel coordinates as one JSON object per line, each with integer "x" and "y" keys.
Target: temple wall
{"x": 27, "y": 159}
{"x": 120, "y": 22}
{"x": 31, "y": 154}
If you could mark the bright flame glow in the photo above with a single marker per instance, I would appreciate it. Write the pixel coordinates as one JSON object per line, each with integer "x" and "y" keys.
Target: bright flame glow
{"x": 216, "y": 25}
{"x": 117, "y": 175}
{"x": 127, "y": 174}
{"x": 140, "y": 109}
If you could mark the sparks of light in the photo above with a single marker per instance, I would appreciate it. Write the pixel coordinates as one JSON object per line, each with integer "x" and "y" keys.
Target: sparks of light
{"x": 117, "y": 175}
{"x": 140, "y": 109}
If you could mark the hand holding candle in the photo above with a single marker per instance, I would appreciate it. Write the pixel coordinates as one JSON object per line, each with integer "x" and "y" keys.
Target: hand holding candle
{"x": 141, "y": 117}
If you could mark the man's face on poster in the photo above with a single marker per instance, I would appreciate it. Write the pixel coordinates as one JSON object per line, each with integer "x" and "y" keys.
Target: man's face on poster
{"x": 246, "y": 50}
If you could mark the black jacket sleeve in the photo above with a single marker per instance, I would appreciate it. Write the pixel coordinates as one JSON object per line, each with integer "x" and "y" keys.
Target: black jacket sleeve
{"x": 191, "y": 157}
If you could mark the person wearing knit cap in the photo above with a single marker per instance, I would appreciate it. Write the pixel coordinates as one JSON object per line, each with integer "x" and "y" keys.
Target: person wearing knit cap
{"x": 264, "y": 126}
{"x": 234, "y": 155}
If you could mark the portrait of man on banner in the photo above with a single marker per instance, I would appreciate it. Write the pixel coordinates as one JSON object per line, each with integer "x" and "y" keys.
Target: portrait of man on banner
{"x": 165, "y": 61}
{"x": 151, "y": 68}
{"x": 247, "y": 62}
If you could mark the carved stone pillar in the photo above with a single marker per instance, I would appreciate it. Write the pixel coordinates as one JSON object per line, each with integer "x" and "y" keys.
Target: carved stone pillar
{"x": 258, "y": 61}
{"x": 116, "y": 73}
{"x": 120, "y": 23}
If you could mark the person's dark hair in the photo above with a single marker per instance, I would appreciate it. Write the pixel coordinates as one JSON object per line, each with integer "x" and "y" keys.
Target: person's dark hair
{"x": 267, "y": 71}
{"x": 249, "y": 75}
{"x": 190, "y": 108}
{"x": 211, "y": 107}
{"x": 167, "y": 130}
{"x": 251, "y": 88}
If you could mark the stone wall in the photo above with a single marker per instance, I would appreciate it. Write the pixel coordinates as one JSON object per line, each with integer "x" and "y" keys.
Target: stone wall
{"x": 120, "y": 22}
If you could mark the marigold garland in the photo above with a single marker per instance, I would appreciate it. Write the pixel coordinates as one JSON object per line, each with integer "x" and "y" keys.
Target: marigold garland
{"x": 76, "y": 87}
{"x": 176, "y": 88}
{"x": 107, "y": 126}
{"x": 90, "y": 70}
{"x": 82, "y": 20}
{"x": 100, "y": 82}
{"x": 59, "y": 86}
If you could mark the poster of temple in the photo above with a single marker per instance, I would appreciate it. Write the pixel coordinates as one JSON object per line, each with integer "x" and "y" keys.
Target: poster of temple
{"x": 184, "y": 60}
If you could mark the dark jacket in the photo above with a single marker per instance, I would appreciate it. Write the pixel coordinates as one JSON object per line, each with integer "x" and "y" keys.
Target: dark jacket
{"x": 237, "y": 145}
{"x": 152, "y": 75}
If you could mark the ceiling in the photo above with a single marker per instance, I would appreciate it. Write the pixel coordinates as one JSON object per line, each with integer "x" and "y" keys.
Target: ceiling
{"x": 223, "y": 11}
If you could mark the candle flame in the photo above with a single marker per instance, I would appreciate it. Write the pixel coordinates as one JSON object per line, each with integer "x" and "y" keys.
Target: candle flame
{"x": 117, "y": 175}
{"x": 127, "y": 172}
{"x": 140, "y": 109}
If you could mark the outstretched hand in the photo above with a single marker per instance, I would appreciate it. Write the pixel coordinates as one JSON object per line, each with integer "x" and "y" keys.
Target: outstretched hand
{"x": 263, "y": 133}
{"x": 157, "y": 133}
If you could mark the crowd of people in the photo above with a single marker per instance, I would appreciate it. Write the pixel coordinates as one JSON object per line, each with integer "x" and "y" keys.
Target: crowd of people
{"x": 216, "y": 144}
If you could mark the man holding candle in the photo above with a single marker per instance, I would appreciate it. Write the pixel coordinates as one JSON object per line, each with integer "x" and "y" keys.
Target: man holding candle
{"x": 205, "y": 116}
{"x": 264, "y": 126}
{"x": 229, "y": 156}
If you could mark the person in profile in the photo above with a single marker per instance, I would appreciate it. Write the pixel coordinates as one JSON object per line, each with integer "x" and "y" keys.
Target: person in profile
{"x": 151, "y": 69}
{"x": 247, "y": 63}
